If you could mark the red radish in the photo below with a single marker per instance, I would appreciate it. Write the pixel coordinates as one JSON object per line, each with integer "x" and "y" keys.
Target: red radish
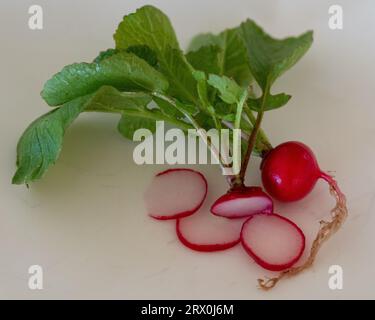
{"x": 290, "y": 171}
{"x": 205, "y": 232}
{"x": 242, "y": 202}
{"x": 274, "y": 242}
{"x": 175, "y": 193}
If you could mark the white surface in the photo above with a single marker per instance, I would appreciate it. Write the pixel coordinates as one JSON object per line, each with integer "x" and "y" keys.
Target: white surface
{"x": 85, "y": 222}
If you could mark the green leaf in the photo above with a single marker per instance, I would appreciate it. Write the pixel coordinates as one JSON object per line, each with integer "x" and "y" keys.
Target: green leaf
{"x": 128, "y": 124}
{"x": 202, "y": 89}
{"x": 141, "y": 51}
{"x": 205, "y": 93}
{"x": 40, "y": 144}
{"x": 203, "y": 40}
{"x": 134, "y": 106}
{"x": 205, "y": 121}
{"x": 150, "y": 27}
{"x": 145, "y": 53}
{"x": 232, "y": 60}
{"x": 179, "y": 74}
{"x": 205, "y": 59}
{"x": 231, "y": 117}
{"x": 272, "y": 102}
{"x": 125, "y": 71}
{"x": 147, "y": 26}
{"x": 225, "y": 111}
{"x": 199, "y": 75}
{"x": 269, "y": 58}
{"x": 230, "y": 91}
{"x": 108, "y": 99}
{"x": 105, "y": 54}
{"x": 167, "y": 108}
{"x": 135, "y": 110}
{"x": 186, "y": 107}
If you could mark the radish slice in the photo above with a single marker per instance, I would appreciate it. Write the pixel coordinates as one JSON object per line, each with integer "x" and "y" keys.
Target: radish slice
{"x": 175, "y": 193}
{"x": 242, "y": 203}
{"x": 274, "y": 242}
{"x": 205, "y": 232}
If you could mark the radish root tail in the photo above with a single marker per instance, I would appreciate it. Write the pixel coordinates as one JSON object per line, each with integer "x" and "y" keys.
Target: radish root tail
{"x": 327, "y": 229}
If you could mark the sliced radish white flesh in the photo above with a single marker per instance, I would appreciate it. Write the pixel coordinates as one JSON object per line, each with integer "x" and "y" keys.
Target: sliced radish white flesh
{"x": 205, "y": 232}
{"x": 274, "y": 242}
{"x": 242, "y": 203}
{"x": 175, "y": 193}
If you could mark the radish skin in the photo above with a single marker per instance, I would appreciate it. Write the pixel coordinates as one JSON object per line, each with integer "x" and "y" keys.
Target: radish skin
{"x": 175, "y": 193}
{"x": 290, "y": 171}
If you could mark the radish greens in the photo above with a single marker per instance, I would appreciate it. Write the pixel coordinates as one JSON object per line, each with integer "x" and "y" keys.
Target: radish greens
{"x": 147, "y": 77}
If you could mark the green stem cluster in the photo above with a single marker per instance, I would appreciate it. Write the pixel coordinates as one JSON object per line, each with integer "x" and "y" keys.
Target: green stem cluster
{"x": 256, "y": 135}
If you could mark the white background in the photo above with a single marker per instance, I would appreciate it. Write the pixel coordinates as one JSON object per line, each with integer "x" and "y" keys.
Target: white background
{"x": 84, "y": 223}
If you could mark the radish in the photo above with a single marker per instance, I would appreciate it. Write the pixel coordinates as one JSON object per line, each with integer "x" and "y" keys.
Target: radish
{"x": 289, "y": 173}
{"x": 242, "y": 202}
{"x": 206, "y": 232}
{"x": 175, "y": 193}
{"x": 274, "y": 242}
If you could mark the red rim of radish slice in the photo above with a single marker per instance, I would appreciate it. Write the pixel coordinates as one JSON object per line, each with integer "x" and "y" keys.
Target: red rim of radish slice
{"x": 256, "y": 256}
{"x": 248, "y": 198}
{"x": 204, "y": 247}
{"x": 189, "y": 211}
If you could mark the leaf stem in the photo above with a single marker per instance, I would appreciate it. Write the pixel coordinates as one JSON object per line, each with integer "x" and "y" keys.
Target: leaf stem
{"x": 254, "y": 133}
{"x": 174, "y": 104}
{"x": 237, "y": 141}
{"x": 262, "y": 139}
{"x": 147, "y": 115}
{"x": 200, "y": 130}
